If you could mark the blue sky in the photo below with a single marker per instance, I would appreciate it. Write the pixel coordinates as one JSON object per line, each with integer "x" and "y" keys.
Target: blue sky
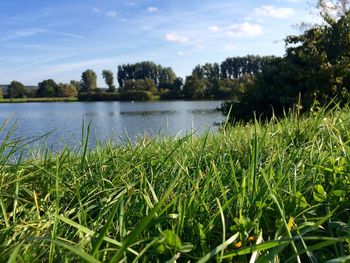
{"x": 59, "y": 39}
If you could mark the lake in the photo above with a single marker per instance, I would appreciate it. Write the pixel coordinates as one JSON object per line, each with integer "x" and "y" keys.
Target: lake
{"x": 115, "y": 121}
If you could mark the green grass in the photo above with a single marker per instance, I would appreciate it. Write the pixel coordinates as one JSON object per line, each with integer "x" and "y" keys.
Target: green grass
{"x": 23, "y": 100}
{"x": 273, "y": 192}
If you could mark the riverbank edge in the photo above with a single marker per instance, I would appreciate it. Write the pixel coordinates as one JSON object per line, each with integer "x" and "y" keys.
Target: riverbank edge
{"x": 31, "y": 100}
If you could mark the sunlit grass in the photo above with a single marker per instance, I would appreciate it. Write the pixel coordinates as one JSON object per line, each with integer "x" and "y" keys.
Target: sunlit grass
{"x": 274, "y": 192}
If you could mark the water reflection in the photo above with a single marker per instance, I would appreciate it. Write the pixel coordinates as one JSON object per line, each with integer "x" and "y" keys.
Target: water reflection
{"x": 147, "y": 113}
{"x": 203, "y": 111}
{"x": 117, "y": 121}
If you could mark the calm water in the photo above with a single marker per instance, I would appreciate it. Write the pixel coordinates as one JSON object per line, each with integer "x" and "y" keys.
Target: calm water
{"x": 115, "y": 121}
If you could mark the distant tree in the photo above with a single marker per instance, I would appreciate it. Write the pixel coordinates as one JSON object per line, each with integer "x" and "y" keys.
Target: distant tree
{"x": 109, "y": 79}
{"x": 194, "y": 88}
{"x": 236, "y": 67}
{"x": 17, "y": 90}
{"x": 31, "y": 93}
{"x": 88, "y": 81}
{"x": 66, "y": 90}
{"x": 166, "y": 76}
{"x": 170, "y": 91}
{"x": 47, "y": 88}
{"x": 145, "y": 70}
{"x": 1, "y": 93}
{"x": 76, "y": 84}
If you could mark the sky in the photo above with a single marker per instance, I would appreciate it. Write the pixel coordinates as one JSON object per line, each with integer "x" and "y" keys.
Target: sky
{"x": 59, "y": 39}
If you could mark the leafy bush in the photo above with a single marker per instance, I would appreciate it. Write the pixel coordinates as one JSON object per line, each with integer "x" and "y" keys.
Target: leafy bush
{"x": 140, "y": 84}
{"x": 66, "y": 90}
{"x": 136, "y": 95}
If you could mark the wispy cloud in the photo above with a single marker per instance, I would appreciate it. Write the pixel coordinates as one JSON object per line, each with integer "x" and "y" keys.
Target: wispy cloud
{"x": 230, "y": 47}
{"x": 245, "y": 29}
{"x": 24, "y": 33}
{"x": 71, "y": 35}
{"x": 242, "y": 30}
{"x": 111, "y": 13}
{"x": 48, "y": 60}
{"x": 183, "y": 53}
{"x": 96, "y": 10}
{"x": 131, "y": 3}
{"x": 176, "y": 37}
{"x": 36, "y": 31}
{"x": 273, "y": 12}
{"x": 214, "y": 29}
{"x": 152, "y": 9}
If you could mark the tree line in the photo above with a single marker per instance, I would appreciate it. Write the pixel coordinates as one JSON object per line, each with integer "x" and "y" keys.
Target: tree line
{"x": 146, "y": 80}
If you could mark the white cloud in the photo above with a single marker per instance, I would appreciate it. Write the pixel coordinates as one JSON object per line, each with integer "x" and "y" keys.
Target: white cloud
{"x": 111, "y": 13}
{"x": 152, "y": 9}
{"x": 230, "y": 47}
{"x": 214, "y": 29}
{"x": 183, "y": 53}
{"x": 96, "y": 10}
{"x": 245, "y": 29}
{"x": 273, "y": 12}
{"x": 175, "y": 37}
{"x": 131, "y": 3}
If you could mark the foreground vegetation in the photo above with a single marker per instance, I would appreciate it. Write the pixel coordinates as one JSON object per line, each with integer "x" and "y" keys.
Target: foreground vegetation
{"x": 273, "y": 192}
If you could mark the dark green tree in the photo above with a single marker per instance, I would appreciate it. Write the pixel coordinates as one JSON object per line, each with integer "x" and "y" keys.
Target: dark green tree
{"x": 194, "y": 88}
{"x": 109, "y": 79}
{"x": 17, "y": 90}
{"x": 170, "y": 91}
{"x": 88, "y": 81}
{"x": 47, "y": 88}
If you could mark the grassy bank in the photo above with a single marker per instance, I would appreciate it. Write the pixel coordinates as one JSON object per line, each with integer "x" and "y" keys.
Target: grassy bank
{"x": 24, "y": 100}
{"x": 277, "y": 192}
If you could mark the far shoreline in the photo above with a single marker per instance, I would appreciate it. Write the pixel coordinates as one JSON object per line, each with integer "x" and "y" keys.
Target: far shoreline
{"x": 74, "y": 99}
{"x": 31, "y": 100}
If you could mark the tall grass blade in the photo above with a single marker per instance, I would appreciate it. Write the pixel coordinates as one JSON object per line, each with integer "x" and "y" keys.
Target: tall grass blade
{"x": 218, "y": 249}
